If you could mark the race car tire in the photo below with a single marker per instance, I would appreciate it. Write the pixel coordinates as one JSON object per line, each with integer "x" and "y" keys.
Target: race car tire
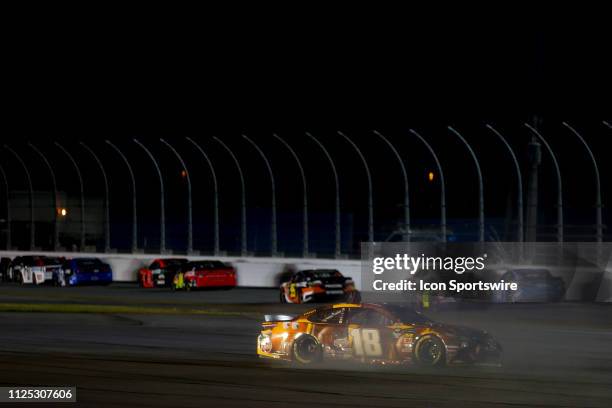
{"x": 430, "y": 351}
{"x": 283, "y": 299}
{"x": 306, "y": 350}
{"x": 34, "y": 280}
{"x": 19, "y": 278}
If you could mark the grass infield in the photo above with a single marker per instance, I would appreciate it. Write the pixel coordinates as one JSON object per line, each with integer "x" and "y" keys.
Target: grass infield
{"x": 112, "y": 309}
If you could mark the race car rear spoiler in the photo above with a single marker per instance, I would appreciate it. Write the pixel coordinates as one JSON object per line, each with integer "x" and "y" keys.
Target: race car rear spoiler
{"x": 279, "y": 318}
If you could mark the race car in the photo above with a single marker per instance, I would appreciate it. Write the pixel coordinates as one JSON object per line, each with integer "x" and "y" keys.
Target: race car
{"x": 375, "y": 334}
{"x": 534, "y": 285}
{"x": 36, "y": 269}
{"x": 318, "y": 285}
{"x": 205, "y": 274}
{"x": 80, "y": 271}
{"x": 160, "y": 273}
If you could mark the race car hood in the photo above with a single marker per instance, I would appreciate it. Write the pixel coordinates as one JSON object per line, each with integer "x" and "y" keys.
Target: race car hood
{"x": 279, "y": 318}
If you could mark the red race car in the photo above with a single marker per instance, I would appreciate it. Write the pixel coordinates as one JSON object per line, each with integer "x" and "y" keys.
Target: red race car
{"x": 160, "y": 273}
{"x": 205, "y": 274}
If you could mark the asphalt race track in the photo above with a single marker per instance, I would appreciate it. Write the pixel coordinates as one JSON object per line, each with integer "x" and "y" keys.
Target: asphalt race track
{"x": 554, "y": 355}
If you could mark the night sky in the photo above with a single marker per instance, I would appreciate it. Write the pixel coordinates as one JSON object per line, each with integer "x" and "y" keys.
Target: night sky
{"x": 353, "y": 75}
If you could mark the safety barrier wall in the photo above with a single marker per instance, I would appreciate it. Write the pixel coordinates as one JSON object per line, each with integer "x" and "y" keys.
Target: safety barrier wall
{"x": 266, "y": 272}
{"x": 251, "y": 271}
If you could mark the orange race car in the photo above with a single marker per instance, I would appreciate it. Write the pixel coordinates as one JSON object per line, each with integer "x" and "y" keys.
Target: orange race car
{"x": 318, "y": 285}
{"x": 379, "y": 334}
{"x": 160, "y": 273}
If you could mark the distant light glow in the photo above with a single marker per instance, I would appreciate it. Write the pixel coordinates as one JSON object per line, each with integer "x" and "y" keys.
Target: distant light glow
{"x": 183, "y": 173}
{"x": 431, "y": 176}
{"x": 62, "y": 211}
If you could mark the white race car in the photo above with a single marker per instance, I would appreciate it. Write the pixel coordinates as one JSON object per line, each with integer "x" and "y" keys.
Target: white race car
{"x": 34, "y": 269}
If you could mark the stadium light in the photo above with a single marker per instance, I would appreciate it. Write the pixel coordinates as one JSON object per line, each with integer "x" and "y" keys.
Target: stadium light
{"x": 442, "y": 186}
{"x": 80, "y": 177}
{"x": 185, "y": 174}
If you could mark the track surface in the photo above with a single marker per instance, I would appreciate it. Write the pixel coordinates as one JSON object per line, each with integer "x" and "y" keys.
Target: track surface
{"x": 555, "y": 355}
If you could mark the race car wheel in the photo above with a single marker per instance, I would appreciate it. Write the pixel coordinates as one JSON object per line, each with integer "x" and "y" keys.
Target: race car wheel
{"x": 430, "y": 351}
{"x": 282, "y": 297}
{"x": 19, "y": 277}
{"x": 307, "y": 350}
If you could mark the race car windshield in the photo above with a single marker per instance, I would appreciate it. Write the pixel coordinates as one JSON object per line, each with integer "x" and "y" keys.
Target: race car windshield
{"x": 52, "y": 261}
{"x": 534, "y": 274}
{"x": 84, "y": 263}
{"x": 407, "y": 314}
{"x": 174, "y": 262}
{"x": 324, "y": 274}
{"x": 206, "y": 265}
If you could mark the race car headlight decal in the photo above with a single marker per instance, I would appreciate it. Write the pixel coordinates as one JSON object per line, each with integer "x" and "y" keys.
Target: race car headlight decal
{"x": 265, "y": 343}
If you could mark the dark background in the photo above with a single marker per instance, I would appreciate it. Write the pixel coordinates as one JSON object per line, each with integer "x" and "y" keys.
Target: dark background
{"x": 149, "y": 78}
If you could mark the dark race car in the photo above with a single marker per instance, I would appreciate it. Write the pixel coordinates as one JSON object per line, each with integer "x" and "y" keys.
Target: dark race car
{"x": 318, "y": 285}
{"x": 534, "y": 285}
{"x": 83, "y": 271}
{"x": 374, "y": 334}
{"x": 205, "y": 274}
{"x": 36, "y": 269}
{"x": 161, "y": 272}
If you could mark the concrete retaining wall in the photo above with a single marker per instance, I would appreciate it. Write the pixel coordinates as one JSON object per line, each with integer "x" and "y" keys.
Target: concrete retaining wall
{"x": 266, "y": 272}
{"x": 251, "y": 271}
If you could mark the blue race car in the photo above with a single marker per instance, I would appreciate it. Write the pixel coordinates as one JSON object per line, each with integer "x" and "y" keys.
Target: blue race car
{"x": 534, "y": 285}
{"x": 83, "y": 271}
